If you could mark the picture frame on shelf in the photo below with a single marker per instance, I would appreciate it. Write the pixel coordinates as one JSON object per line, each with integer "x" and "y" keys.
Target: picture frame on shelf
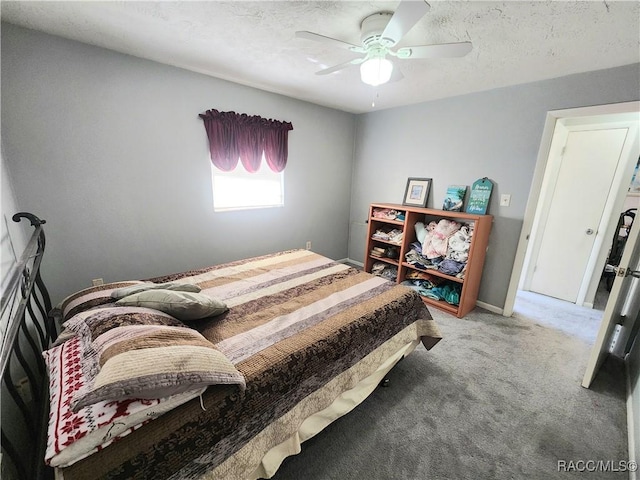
{"x": 416, "y": 192}
{"x": 454, "y": 198}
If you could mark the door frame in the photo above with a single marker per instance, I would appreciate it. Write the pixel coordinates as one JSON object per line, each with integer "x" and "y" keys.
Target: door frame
{"x": 582, "y": 115}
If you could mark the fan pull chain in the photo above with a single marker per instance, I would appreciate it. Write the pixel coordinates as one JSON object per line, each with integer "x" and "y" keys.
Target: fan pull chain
{"x": 373, "y": 100}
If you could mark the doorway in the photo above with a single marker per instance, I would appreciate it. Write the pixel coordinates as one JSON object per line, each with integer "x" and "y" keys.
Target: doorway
{"x": 556, "y": 132}
{"x": 578, "y": 186}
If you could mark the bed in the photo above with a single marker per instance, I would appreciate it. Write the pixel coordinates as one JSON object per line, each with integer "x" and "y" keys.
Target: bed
{"x": 306, "y": 339}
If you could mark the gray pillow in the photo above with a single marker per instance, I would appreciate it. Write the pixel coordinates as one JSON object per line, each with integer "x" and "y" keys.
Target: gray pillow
{"x": 181, "y": 305}
{"x": 141, "y": 287}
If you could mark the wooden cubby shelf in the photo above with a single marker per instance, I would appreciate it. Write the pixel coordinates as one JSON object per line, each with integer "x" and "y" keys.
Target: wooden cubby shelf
{"x": 434, "y": 272}
{"x": 390, "y": 261}
{"x": 470, "y": 284}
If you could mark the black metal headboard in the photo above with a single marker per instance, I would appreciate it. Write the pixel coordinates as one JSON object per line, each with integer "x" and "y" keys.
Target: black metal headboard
{"x": 24, "y": 402}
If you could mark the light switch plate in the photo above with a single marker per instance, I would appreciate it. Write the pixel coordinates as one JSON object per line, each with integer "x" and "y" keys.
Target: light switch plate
{"x": 505, "y": 200}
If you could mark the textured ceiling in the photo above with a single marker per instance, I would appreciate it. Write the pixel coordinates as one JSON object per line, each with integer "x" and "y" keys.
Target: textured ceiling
{"x": 254, "y": 43}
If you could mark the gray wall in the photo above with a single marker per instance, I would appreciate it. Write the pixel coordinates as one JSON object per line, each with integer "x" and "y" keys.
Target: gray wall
{"x": 493, "y": 134}
{"x": 109, "y": 149}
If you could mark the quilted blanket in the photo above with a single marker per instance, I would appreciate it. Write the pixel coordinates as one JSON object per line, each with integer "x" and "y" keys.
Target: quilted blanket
{"x": 296, "y": 321}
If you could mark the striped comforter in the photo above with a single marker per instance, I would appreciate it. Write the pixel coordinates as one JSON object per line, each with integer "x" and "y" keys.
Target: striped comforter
{"x": 297, "y": 323}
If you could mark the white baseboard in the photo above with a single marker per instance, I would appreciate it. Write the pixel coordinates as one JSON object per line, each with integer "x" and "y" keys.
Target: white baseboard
{"x": 491, "y": 308}
{"x": 360, "y": 264}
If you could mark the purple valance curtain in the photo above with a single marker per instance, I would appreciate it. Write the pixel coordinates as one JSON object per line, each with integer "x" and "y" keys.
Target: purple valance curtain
{"x": 234, "y": 136}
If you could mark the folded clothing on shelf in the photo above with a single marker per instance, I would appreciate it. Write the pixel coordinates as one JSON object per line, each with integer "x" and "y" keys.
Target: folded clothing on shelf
{"x": 416, "y": 275}
{"x": 447, "y": 291}
{"x": 387, "y": 252}
{"x": 435, "y": 237}
{"x": 388, "y": 214}
{"x": 448, "y": 247}
{"x": 459, "y": 244}
{"x": 393, "y": 235}
{"x": 451, "y": 267}
{"x": 415, "y": 257}
{"x": 385, "y": 270}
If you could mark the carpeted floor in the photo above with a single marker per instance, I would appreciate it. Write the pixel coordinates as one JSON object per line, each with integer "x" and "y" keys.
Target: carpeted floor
{"x": 581, "y": 322}
{"x": 498, "y": 398}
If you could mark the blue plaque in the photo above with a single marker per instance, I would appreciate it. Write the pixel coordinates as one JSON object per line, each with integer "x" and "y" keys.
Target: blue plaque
{"x": 480, "y": 195}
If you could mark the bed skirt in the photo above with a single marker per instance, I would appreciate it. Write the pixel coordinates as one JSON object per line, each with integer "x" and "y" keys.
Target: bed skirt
{"x": 319, "y": 409}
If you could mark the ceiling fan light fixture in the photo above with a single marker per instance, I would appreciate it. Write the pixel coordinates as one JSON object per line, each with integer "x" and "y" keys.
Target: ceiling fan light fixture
{"x": 376, "y": 71}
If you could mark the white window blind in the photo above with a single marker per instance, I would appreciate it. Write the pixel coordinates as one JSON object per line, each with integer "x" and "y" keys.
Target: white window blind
{"x": 241, "y": 190}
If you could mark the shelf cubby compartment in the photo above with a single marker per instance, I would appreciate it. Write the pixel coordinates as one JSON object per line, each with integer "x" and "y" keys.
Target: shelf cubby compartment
{"x": 470, "y": 284}
{"x": 432, "y": 271}
{"x": 390, "y": 261}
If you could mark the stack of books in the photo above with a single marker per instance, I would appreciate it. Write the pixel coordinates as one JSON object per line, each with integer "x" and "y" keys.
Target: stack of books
{"x": 377, "y": 252}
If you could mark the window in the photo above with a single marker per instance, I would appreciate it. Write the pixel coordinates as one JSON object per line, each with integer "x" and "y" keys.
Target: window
{"x": 248, "y": 154}
{"x": 241, "y": 190}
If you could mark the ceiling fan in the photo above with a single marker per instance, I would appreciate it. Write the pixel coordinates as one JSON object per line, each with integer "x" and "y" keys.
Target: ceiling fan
{"x": 380, "y": 33}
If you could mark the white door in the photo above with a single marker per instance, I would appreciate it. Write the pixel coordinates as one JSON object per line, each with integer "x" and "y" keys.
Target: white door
{"x": 589, "y": 162}
{"x": 622, "y": 308}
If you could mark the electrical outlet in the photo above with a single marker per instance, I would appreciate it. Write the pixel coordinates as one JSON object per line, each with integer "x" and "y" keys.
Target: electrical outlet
{"x": 505, "y": 200}
{"x": 96, "y": 282}
{"x": 308, "y": 245}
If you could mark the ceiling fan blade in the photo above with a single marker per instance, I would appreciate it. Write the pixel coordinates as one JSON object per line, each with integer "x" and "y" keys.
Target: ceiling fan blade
{"x": 405, "y": 17}
{"x": 340, "y": 66}
{"x": 332, "y": 41}
{"x": 443, "y": 50}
